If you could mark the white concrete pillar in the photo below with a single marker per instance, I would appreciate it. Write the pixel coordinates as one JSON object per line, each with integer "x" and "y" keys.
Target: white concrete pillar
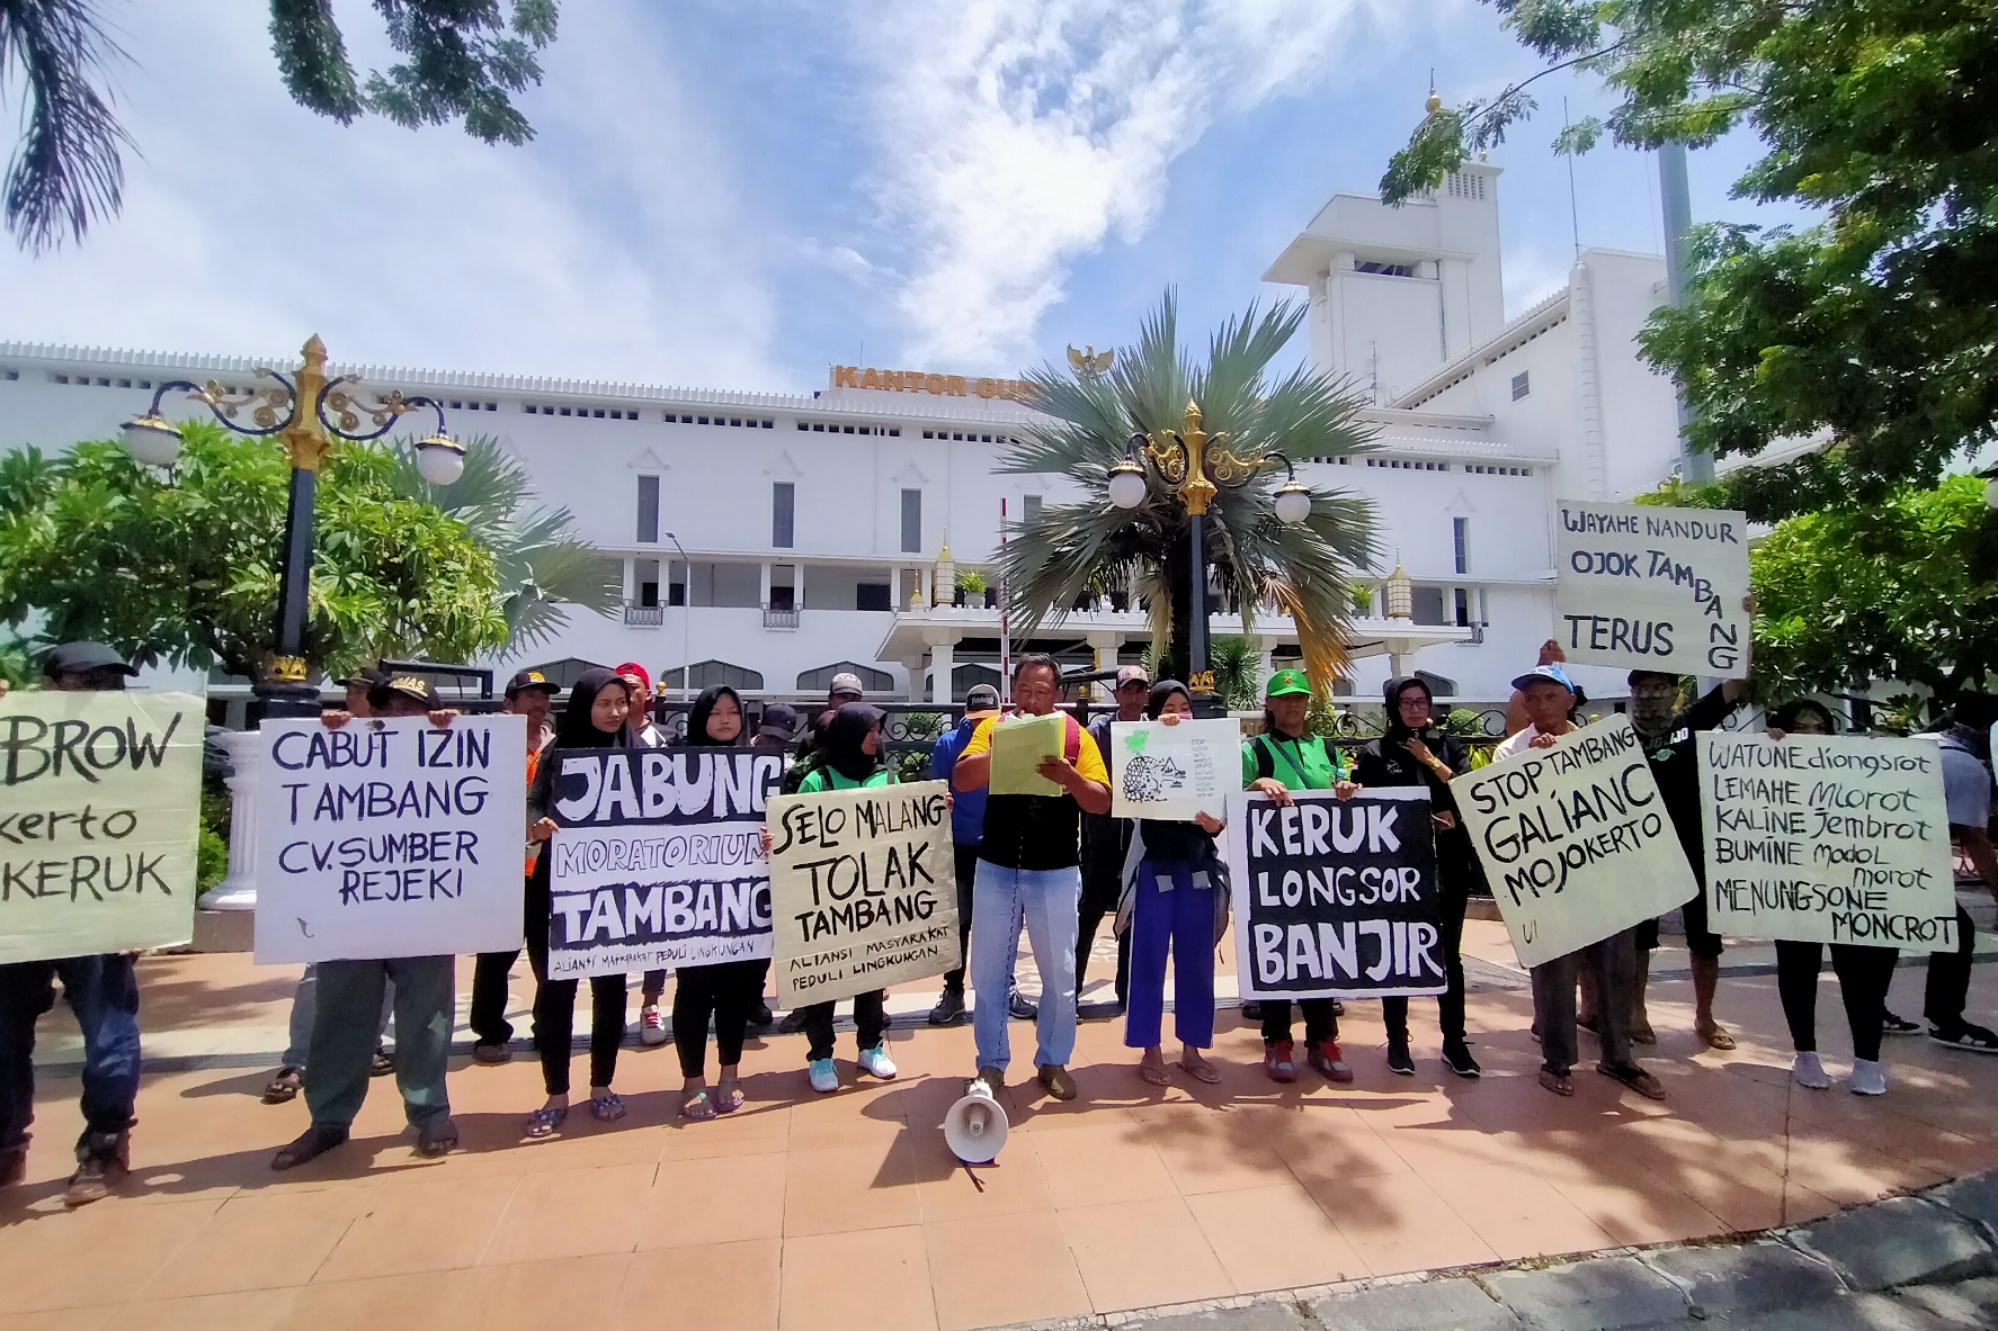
{"x": 924, "y": 584}
{"x": 1105, "y": 645}
{"x": 765, "y": 593}
{"x": 238, "y": 891}
{"x": 943, "y": 659}
{"x": 630, "y": 592}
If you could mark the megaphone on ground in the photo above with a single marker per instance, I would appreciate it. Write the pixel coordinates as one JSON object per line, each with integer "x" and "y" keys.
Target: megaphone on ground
{"x": 975, "y": 1128}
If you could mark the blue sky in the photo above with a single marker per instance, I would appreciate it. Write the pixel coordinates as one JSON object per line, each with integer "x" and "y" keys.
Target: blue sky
{"x": 734, "y": 193}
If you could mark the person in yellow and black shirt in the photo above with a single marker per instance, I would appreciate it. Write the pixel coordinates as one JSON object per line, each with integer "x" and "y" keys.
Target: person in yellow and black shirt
{"x": 1028, "y": 861}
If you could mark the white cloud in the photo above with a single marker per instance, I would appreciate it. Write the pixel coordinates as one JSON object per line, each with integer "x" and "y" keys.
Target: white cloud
{"x": 1019, "y": 136}
{"x": 612, "y": 247}
{"x": 1532, "y": 275}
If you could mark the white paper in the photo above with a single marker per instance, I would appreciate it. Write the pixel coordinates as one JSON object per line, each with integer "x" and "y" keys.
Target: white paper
{"x": 1653, "y": 588}
{"x": 1172, "y": 772}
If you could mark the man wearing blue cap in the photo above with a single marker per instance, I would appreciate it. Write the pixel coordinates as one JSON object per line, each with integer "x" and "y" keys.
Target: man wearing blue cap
{"x": 1548, "y": 696}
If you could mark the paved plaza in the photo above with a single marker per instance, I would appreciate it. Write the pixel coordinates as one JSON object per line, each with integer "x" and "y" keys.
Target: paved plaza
{"x": 848, "y": 1210}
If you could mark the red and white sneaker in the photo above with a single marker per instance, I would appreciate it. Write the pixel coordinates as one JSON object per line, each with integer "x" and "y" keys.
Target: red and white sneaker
{"x": 651, "y": 1030}
{"x": 1277, "y": 1061}
{"x": 1328, "y": 1060}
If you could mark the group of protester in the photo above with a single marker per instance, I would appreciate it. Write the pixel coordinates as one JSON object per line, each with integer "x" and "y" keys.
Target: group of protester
{"x": 1055, "y": 865}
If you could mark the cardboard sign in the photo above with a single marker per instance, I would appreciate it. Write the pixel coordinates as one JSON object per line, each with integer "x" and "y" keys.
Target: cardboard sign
{"x": 659, "y": 860}
{"x": 390, "y": 838}
{"x": 1575, "y": 840}
{"x": 1653, "y": 588}
{"x": 99, "y": 800}
{"x": 1828, "y": 839}
{"x": 1335, "y": 898}
{"x": 1174, "y": 771}
{"x": 863, "y": 890}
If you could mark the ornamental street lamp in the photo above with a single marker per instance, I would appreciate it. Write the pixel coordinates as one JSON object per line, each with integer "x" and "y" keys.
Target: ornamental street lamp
{"x": 1197, "y": 466}
{"x": 311, "y": 415}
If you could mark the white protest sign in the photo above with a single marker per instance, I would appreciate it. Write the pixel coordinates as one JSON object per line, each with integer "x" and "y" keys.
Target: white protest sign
{"x": 1828, "y": 839}
{"x": 863, "y": 890}
{"x": 1174, "y": 771}
{"x": 390, "y": 838}
{"x": 1575, "y": 840}
{"x": 99, "y": 800}
{"x": 1653, "y": 588}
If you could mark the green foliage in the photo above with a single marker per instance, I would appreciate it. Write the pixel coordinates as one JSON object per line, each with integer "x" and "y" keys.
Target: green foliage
{"x": 1872, "y": 332}
{"x": 183, "y": 569}
{"x": 1463, "y": 722}
{"x": 971, "y": 582}
{"x": 1072, "y": 549}
{"x": 1237, "y": 668}
{"x": 461, "y": 60}
{"x": 543, "y": 564}
{"x": 1363, "y": 599}
{"x": 1906, "y": 590}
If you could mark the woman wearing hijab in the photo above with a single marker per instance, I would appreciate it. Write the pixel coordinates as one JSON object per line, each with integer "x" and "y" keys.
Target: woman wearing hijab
{"x": 1286, "y": 757}
{"x": 1864, "y": 973}
{"x": 599, "y": 706}
{"x": 849, "y": 759}
{"x": 1414, "y": 752}
{"x": 1175, "y": 900}
{"x": 726, "y": 990}
{"x": 642, "y": 733}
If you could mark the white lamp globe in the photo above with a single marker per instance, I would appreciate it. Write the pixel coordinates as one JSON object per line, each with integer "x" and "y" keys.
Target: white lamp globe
{"x": 1991, "y": 492}
{"x": 1293, "y": 504}
{"x": 1127, "y": 485}
{"x": 152, "y": 441}
{"x": 440, "y": 459}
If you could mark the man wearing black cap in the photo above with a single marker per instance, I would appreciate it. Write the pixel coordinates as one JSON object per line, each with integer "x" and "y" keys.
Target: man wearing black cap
{"x": 103, "y": 992}
{"x": 777, "y": 729}
{"x": 350, "y": 1000}
{"x": 530, "y": 694}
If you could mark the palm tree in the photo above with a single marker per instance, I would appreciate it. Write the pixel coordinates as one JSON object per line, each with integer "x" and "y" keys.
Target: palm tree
{"x": 543, "y": 565}
{"x": 66, "y": 170}
{"x": 1304, "y": 570}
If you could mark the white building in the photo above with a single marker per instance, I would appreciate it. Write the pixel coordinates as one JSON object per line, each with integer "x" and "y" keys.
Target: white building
{"x": 775, "y": 538}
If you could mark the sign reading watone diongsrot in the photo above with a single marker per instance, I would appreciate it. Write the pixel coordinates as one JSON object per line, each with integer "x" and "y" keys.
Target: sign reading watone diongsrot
{"x": 659, "y": 859}
{"x": 390, "y": 838}
{"x": 1335, "y": 898}
{"x": 863, "y": 890}
{"x": 1575, "y": 840}
{"x": 1653, "y": 588}
{"x": 1828, "y": 839}
{"x": 99, "y": 799}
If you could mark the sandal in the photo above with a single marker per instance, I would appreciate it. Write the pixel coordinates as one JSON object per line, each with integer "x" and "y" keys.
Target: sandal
{"x": 1200, "y": 1070}
{"x": 382, "y": 1064}
{"x": 697, "y": 1108}
{"x": 308, "y": 1145}
{"x": 728, "y": 1096}
{"x": 1641, "y": 1033}
{"x": 1718, "y": 1037}
{"x": 438, "y": 1136}
{"x": 1154, "y": 1074}
{"x": 1558, "y": 1082}
{"x": 1636, "y": 1078}
{"x": 284, "y": 1086}
{"x": 544, "y": 1121}
{"x": 608, "y": 1107}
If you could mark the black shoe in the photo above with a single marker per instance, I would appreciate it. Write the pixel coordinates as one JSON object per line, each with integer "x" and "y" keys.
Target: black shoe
{"x": 1338, "y": 1008}
{"x": 1252, "y": 1011}
{"x": 1022, "y": 1008}
{"x": 1893, "y": 1025}
{"x": 949, "y": 1010}
{"x": 1457, "y": 1058}
{"x": 794, "y": 1021}
{"x": 1399, "y": 1061}
{"x": 760, "y": 1016}
{"x": 1966, "y": 1035}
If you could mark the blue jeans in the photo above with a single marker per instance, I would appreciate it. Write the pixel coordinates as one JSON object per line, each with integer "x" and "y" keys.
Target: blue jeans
{"x": 1046, "y": 901}
{"x": 1180, "y": 921}
{"x": 305, "y": 1006}
{"x": 346, "y": 1025}
{"x": 104, "y": 994}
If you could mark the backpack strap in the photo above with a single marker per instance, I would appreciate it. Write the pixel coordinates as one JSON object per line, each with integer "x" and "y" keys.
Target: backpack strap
{"x": 1265, "y": 757}
{"x": 1072, "y": 740}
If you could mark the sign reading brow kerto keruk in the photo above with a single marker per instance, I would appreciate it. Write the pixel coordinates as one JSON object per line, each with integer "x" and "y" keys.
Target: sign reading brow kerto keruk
{"x": 863, "y": 890}
{"x": 659, "y": 860}
{"x": 99, "y": 795}
{"x": 1335, "y": 898}
{"x": 1575, "y": 840}
{"x": 1653, "y": 588}
{"x": 1828, "y": 839}
{"x": 390, "y": 838}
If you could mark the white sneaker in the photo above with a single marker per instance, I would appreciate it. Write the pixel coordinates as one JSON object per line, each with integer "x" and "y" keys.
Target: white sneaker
{"x": 876, "y": 1063}
{"x": 651, "y": 1030}
{"x": 1868, "y": 1077}
{"x": 1808, "y": 1071}
{"x": 825, "y": 1077}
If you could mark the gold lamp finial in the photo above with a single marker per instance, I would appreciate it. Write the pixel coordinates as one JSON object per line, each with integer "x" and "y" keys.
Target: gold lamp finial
{"x": 1435, "y": 103}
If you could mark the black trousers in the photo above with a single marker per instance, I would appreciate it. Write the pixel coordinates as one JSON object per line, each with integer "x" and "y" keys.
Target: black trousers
{"x": 1102, "y": 885}
{"x": 1450, "y": 1003}
{"x": 964, "y": 862}
{"x": 870, "y": 1017}
{"x": 555, "y": 1005}
{"x": 1863, "y": 976}
{"x": 1949, "y": 978}
{"x": 724, "y": 991}
{"x": 1320, "y": 1023}
{"x": 490, "y": 977}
